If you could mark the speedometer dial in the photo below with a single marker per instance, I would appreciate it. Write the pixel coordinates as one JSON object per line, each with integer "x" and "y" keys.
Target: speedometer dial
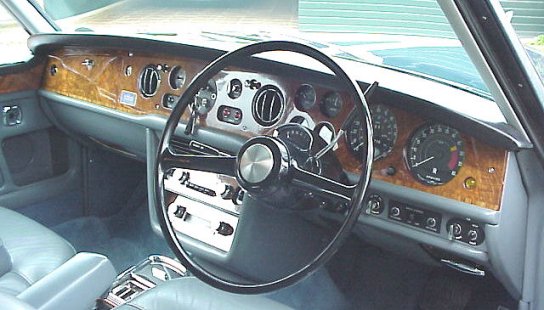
{"x": 384, "y": 125}
{"x": 435, "y": 154}
{"x": 356, "y": 135}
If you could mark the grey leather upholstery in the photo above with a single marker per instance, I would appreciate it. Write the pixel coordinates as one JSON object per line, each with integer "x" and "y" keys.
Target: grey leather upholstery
{"x": 10, "y": 302}
{"x": 33, "y": 252}
{"x": 189, "y": 293}
{"x": 74, "y": 285}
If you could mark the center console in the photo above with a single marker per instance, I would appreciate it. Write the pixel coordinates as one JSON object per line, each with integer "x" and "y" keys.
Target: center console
{"x": 140, "y": 278}
{"x": 206, "y": 207}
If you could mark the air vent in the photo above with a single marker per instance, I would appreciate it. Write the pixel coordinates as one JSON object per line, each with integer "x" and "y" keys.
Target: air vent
{"x": 149, "y": 81}
{"x": 267, "y": 105}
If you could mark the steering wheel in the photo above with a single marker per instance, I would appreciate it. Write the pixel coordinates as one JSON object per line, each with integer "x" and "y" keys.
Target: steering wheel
{"x": 265, "y": 169}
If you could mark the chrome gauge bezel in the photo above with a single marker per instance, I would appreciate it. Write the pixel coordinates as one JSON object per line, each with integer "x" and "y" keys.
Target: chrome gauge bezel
{"x": 391, "y": 136}
{"x": 307, "y": 89}
{"x": 416, "y": 165}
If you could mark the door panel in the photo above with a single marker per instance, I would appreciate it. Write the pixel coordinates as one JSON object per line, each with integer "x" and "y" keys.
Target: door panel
{"x": 37, "y": 161}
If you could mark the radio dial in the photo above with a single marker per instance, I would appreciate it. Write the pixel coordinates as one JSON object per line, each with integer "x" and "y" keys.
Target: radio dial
{"x": 395, "y": 211}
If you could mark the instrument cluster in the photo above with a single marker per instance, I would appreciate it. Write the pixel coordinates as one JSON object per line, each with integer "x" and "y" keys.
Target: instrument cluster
{"x": 433, "y": 153}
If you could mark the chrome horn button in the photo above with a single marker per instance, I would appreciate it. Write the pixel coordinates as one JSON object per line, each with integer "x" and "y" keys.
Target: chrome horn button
{"x": 256, "y": 163}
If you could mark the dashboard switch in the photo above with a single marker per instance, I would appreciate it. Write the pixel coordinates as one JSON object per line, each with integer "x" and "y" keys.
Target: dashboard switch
{"x": 225, "y": 229}
{"x": 375, "y": 204}
{"x": 180, "y": 212}
{"x": 416, "y": 217}
{"x": 457, "y": 230}
{"x": 465, "y": 231}
{"x": 184, "y": 177}
{"x": 228, "y": 192}
{"x": 229, "y": 115}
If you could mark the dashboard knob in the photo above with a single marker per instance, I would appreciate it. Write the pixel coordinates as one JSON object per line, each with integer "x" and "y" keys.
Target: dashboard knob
{"x": 456, "y": 230}
{"x": 395, "y": 211}
{"x": 431, "y": 222}
{"x": 375, "y": 204}
{"x": 472, "y": 235}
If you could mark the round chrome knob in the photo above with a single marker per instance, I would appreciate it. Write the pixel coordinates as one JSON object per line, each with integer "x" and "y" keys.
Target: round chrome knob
{"x": 431, "y": 222}
{"x": 256, "y": 163}
{"x": 472, "y": 235}
{"x": 456, "y": 230}
{"x": 395, "y": 211}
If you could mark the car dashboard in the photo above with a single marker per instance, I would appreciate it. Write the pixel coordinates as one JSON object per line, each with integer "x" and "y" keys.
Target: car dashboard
{"x": 442, "y": 181}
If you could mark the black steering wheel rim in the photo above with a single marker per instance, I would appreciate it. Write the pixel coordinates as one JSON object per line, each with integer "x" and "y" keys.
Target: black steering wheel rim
{"x": 160, "y": 168}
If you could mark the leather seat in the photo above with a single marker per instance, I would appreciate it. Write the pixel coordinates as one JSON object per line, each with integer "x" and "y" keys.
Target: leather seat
{"x": 189, "y": 293}
{"x": 28, "y": 252}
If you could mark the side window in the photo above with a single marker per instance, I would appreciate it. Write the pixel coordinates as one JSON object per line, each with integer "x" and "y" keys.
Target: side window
{"x": 13, "y": 46}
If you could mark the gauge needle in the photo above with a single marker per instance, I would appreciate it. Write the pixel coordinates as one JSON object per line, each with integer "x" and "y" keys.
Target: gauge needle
{"x": 422, "y": 162}
{"x": 358, "y": 146}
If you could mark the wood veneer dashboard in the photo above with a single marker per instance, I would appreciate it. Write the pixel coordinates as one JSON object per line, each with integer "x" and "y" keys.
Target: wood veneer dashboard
{"x": 67, "y": 72}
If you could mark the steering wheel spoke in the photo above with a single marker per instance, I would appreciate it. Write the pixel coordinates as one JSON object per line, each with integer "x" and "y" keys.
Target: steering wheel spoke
{"x": 321, "y": 185}
{"x": 225, "y": 165}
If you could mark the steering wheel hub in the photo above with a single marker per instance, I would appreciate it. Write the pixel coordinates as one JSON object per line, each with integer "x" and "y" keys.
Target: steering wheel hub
{"x": 262, "y": 165}
{"x": 256, "y": 163}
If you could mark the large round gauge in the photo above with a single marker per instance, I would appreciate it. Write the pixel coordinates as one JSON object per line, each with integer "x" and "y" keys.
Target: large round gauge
{"x": 205, "y": 98}
{"x": 305, "y": 97}
{"x": 384, "y": 125}
{"x": 331, "y": 104}
{"x": 435, "y": 154}
{"x": 356, "y": 135}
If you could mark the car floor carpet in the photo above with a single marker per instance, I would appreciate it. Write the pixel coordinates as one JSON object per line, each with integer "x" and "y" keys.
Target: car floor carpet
{"x": 125, "y": 238}
{"x": 447, "y": 289}
{"x": 375, "y": 279}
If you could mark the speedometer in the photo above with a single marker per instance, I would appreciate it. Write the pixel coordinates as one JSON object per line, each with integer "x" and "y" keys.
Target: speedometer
{"x": 435, "y": 154}
{"x": 356, "y": 136}
{"x": 384, "y": 125}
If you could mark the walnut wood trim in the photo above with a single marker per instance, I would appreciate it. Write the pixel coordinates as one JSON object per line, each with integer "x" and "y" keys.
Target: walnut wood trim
{"x": 103, "y": 84}
{"x": 29, "y": 79}
{"x": 479, "y": 159}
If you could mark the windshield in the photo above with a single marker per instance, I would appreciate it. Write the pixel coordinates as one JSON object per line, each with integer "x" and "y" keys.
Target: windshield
{"x": 408, "y": 35}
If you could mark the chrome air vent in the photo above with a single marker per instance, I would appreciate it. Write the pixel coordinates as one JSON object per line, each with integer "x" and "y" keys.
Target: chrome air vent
{"x": 267, "y": 105}
{"x": 150, "y": 80}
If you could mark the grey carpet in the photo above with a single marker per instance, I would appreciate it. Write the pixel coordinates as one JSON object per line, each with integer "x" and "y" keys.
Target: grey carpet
{"x": 126, "y": 238}
{"x": 377, "y": 280}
